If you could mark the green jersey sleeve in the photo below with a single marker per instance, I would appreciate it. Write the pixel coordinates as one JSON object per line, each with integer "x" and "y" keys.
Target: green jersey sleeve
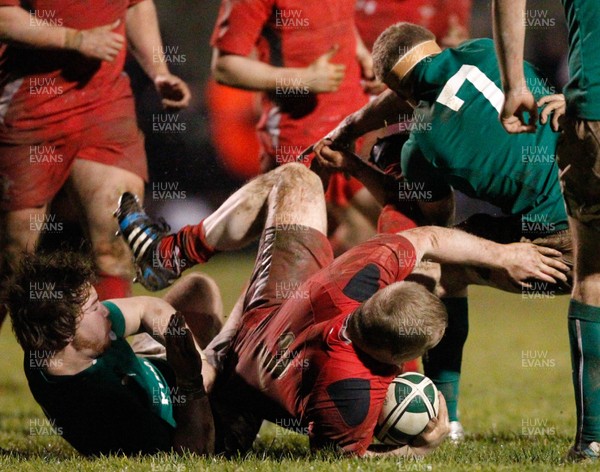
{"x": 116, "y": 318}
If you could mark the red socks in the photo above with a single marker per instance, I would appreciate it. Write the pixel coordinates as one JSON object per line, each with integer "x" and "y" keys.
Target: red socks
{"x": 191, "y": 242}
{"x": 110, "y": 286}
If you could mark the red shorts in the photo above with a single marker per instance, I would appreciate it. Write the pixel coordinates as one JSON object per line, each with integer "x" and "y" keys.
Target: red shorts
{"x": 286, "y": 258}
{"x": 32, "y": 174}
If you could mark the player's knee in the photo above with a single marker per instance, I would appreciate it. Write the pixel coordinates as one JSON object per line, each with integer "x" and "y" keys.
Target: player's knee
{"x": 296, "y": 175}
{"x": 112, "y": 257}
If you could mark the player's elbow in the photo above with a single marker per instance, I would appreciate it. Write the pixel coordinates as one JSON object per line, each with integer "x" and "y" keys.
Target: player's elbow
{"x": 223, "y": 70}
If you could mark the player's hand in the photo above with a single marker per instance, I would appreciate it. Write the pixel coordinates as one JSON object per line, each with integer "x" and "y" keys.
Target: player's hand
{"x": 525, "y": 261}
{"x": 174, "y": 92}
{"x": 182, "y": 355}
{"x": 329, "y": 158}
{"x": 554, "y": 105}
{"x": 324, "y": 76}
{"x": 434, "y": 433}
{"x": 516, "y": 103}
{"x": 96, "y": 43}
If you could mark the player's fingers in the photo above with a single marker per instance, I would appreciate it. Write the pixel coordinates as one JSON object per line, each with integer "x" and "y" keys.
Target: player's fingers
{"x": 540, "y": 275}
{"x": 555, "y": 263}
{"x": 549, "y": 98}
{"x": 332, "y": 52}
{"x": 555, "y": 120}
{"x": 548, "y": 251}
{"x": 555, "y": 274}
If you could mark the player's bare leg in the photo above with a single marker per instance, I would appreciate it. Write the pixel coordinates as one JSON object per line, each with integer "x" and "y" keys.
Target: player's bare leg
{"x": 97, "y": 188}
{"x": 19, "y": 233}
{"x": 237, "y": 222}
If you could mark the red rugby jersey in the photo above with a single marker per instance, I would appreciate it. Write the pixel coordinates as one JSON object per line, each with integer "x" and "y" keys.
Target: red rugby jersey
{"x": 294, "y": 33}
{"x": 45, "y": 94}
{"x": 307, "y": 374}
{"x": 374, "y": 16}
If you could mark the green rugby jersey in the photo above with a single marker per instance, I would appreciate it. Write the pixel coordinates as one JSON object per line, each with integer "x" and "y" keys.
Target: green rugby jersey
{"x": 583, "y": 89}
{"x": 457, "y": 139}
{"x": 120, "y": 403}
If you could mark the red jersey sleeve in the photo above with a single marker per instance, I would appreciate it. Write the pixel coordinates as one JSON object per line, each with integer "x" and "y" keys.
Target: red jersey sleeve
{"x": 10, "y": 3}
{"x": 135, "y": 2}
{"x": 239, "y": 25}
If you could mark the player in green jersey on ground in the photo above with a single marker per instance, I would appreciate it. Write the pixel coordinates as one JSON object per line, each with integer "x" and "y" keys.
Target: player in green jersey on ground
{"x": 579, "y": 160}
{"x": 456, "y": 142}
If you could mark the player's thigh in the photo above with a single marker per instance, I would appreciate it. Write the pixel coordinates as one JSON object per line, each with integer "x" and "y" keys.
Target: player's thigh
{"x": 20, "y": 230}
{"x": 297, "y": 199}
{"x": 97, "y": 187}
{"x": 197, "y": 296}
{"x": 578, "y": 156}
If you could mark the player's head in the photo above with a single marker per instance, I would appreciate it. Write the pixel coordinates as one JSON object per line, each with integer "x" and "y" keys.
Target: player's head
{"x": 50, "y": 299}
{"x": 398, "y": 49}
{"x": 398, "y": 323}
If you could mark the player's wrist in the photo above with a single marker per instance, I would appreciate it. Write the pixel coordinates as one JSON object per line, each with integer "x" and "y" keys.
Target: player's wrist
{"x": 73, "y": 39}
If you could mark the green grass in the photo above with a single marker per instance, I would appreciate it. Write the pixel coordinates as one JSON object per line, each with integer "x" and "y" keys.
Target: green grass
{"x": 502, "y": 400}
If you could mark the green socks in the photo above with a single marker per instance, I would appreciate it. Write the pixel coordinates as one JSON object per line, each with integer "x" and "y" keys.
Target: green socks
{"x": 443, "y": 362}
{"x": 584, "y": 337}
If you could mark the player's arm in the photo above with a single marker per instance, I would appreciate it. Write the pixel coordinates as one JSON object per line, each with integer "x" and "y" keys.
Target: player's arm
{"x": 386, "y": 109}
{"x": 521, "y": 261}
{"x": 146, "y": 46}
{"x": 509, "y": 35}
{"x": 432, "y": 436}
{"x": 145, "y": 314}
{"x": 369, "y": 82}
{"x": 321, "y": 76}
{"x": 380, "y": 185}
{"x": 195, "y": 430}
{"x": 19, "y": 27}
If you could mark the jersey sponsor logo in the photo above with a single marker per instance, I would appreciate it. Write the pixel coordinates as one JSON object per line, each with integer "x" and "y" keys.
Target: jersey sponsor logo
{"x": 492, "y": 93}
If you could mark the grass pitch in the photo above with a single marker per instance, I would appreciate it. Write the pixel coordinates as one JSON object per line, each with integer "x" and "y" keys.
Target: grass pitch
{"x": 517, "y": 401}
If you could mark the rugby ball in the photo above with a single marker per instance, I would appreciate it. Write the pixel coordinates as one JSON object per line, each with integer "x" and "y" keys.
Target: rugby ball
{"x": 411, "y": 401}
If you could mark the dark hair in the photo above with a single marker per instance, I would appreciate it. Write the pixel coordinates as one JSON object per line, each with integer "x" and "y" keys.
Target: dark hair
{"x": 395, "y": 42}
{"x": 401, "y": 318}
{"x": 44, "y": 296}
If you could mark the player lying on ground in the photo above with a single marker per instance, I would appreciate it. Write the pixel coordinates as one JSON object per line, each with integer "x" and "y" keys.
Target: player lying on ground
{"x": 316, "y": 341}
{"x": 456, "y": 142}
{"x": 89, "y": 382}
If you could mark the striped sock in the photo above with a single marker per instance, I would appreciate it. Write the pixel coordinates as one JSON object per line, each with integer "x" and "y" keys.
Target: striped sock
{"x": 584, "y": 337}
